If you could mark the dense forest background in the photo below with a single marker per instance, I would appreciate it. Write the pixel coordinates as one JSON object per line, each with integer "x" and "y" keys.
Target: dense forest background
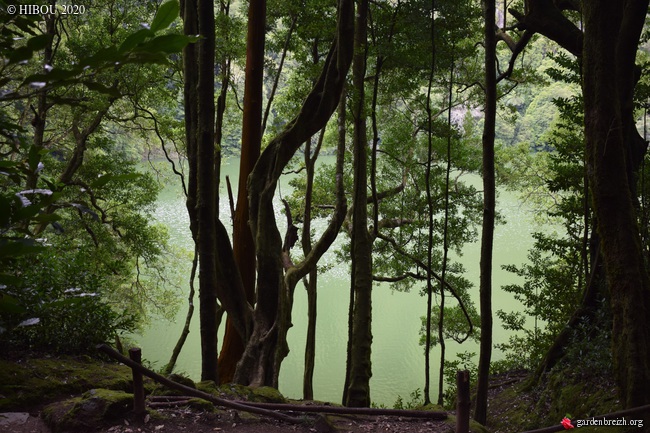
{"x": 545, "y": 98}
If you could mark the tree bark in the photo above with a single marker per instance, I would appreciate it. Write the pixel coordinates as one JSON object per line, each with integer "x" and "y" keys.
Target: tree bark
{"x": 311, "y": 282}
{"x": 243, "y": 245}
{"x": 206, "y": 190}
{"x": 427, "y": 179}
{"x": 489, "y": 205}
{"x": 359, "y": 369}
{"x": 612, "y": 31}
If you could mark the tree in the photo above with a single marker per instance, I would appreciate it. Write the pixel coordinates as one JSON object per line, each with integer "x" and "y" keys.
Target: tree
{"x": 202, "y": 201}
{"x": 251, "y": 143}
{"x": 359, "y": 371}
{"x": 612, "y": 33}
{"x": 489, "y": 205}
{"x": 266, "y": 347}
{"x": 614, "y": 153}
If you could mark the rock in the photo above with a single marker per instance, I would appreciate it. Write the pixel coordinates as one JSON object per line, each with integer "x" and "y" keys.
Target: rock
{"x": 266, "y": 394}
{"x": 21, "y": 422}
{"x": 9, "y": 419}
{"x": 95, "y": 408}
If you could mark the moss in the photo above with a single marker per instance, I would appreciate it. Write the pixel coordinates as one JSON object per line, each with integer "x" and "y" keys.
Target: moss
{"x": 36, "y": 381}
{"x": 474, "y": 427}
{"x": 163, "y": 390}
{"x": 565, "y": 391}
{"x": 431, "y": 407}
{"x": 208, "y": 386}
{"x": 512, "y": 409}
{"x": 94, "y": 408}
{"x": 266, "y": 394}
{"x": 200, "y": 404}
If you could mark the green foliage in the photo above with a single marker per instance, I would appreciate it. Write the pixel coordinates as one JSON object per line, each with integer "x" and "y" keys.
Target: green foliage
{"x": 463, "y": 361}
{"x": 554, "y": 275}
{"x": 75, "y": 232}
{"x": 416, "y": 400}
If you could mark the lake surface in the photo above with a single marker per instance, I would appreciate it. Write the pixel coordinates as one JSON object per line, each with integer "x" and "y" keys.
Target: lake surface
{"x": 397, "y": 358}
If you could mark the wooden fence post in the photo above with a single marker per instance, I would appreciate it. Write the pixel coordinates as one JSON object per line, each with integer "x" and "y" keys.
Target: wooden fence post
{"x": 462, "y": 402}
{"x": 138, "y": 387}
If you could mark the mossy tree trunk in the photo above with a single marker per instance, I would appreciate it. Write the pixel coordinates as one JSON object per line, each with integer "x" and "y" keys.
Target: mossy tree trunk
{"x": 198, "y": 62}
{"x": 359, "y": 368}
{"x": 218, "y": 275}
{"x": 612, "y": 32}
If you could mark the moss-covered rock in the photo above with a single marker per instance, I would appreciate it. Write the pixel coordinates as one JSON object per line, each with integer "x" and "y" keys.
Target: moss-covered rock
{"x": 235, "y": 391}
{"x": 163, "y": 390}
{"x": 266, "y": 394}
{"x": 32, "y": 382}
{"x": 95, "y": 408}
{"x": 208, "y": 386}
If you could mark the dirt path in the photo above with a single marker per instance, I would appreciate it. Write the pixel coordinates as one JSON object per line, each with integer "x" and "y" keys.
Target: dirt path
{"x": 190, "y": 421}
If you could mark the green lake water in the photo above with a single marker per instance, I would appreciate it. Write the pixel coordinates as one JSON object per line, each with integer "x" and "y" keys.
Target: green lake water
{"x": 397, "y": 358}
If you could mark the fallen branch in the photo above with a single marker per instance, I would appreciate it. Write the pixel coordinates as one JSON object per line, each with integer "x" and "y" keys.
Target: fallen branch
{"x": 168, "y": 404}
{"x": 340, "y": 410}
{"x": 195, "y": 392}
{"x": 267, "y": 409}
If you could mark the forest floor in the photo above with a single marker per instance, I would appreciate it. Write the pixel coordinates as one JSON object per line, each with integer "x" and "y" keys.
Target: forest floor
{"x": 192, "y": 421}
{"x": 28, "y": 418}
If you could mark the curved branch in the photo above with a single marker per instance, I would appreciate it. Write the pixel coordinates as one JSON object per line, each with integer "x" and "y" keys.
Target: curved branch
{"x": 435, "y": 275}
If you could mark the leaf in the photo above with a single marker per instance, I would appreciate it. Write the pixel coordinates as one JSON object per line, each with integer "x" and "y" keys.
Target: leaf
{"x": 14, "y": 248}
{"x": 20, "y": 54}
{"x": 38, "y": 42}
{"x": 30, "y": 322}
{"x": 135, "y": 39}
{"x": 100, "y": 88}
{"x": 114, "y": 177}
{"x": 9, "y": 304}
{"x": 168, "y": 43}
{"x": 166, "y": 14}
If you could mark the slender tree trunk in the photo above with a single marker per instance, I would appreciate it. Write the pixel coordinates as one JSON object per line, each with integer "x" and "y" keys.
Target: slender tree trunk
{"x": 310, "y": 343}
{"x": 359, "y": 369}
{"x": 311, "y": 282}
{"x": 243, "y": 244}
{"x": 608, "y": 82}
{"x": 169, "y": 368}
{"x": 445, "y": 243}
{"x": 489, "y": 205}
{"x": 427, "y": 179}
{"x": 206, "y": 191}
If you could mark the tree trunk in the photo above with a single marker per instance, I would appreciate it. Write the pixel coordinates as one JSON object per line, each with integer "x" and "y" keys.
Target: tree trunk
{"x": 612, "y": 31}
{"x": 359, "y": 369}
{"x": 243, "y": 245}
{"x": 198, "y": 68}
{"x": 311, "y": 282}
{"x": 260, "y": 363}
{"x": 489, "y": 204}
{"x": 427, "y": 179}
